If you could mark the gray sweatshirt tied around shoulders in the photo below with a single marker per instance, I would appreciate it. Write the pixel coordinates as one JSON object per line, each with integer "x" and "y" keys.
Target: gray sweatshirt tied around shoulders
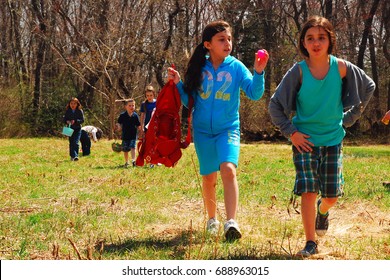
{"x": 357, "y": 91}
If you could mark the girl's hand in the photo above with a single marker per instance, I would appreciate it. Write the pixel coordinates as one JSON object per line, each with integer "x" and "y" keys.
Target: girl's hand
{"x": 300, "y": 142}
{"x": 261, "y": 63}
{"x": 173, "y": 75}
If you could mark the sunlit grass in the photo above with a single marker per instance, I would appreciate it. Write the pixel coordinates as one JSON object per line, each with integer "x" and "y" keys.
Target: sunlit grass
{"x": 48, "y": 202}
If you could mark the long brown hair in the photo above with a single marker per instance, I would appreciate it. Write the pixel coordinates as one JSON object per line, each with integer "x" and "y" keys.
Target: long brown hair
{"x": 317, "y": 21}
{"x": 77, "y": 101}
{"x": 193, "y": 75}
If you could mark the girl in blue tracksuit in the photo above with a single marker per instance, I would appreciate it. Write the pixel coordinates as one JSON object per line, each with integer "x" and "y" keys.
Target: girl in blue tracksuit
{"x": 214, "y": 80}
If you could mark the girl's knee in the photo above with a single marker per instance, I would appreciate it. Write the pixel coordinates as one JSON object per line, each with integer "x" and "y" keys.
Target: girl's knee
{"x": 228, "y": 170}
{"x": 329, "y": 200}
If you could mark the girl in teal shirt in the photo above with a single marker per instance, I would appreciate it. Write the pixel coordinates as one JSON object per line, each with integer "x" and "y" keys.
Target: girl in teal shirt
{"x": 319, "y": 88}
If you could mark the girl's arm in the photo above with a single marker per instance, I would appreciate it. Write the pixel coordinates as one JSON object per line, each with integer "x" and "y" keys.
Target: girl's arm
{"x": 342, "y": 68}
{"x": 253, "y": 85}
{"x": 143, "y": 116}
{"x": 175, "y": 76}
{"x": 358, "y": 89}
{"x": 66, "y": 117}
{"x": 79, "y": 115}
{"x": 282, "y": 102}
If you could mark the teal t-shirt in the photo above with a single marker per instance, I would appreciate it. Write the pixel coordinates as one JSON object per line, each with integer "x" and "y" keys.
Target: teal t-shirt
{"x": 319, "y": 107}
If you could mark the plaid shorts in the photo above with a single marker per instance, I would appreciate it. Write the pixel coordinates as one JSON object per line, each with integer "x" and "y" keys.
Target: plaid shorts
{"x": 319, "y": 171}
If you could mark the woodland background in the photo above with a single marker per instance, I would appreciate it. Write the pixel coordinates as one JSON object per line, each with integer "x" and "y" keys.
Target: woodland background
{"x": 102, "y": 51}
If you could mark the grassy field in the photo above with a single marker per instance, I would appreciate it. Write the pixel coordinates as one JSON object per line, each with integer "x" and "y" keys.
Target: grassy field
{"x": 52, "y": 208}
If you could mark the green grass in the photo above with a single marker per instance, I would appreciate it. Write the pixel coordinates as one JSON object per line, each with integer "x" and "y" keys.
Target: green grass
{"x": 52, "y": 208}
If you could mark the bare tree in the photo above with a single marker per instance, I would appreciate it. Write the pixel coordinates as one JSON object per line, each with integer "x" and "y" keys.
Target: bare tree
{"x": 19, "y": 64}
{"x": 103, "y": 51}
{"x": 39, "y": 12}
{"x": 366, "y": 32}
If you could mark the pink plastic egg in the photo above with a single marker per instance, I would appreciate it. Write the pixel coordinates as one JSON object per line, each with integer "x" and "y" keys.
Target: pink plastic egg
{"x": 261, "y": 54}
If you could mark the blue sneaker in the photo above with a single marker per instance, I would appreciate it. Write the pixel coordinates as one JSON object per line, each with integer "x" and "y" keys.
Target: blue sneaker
{"x": 322, "y": 222}
{"x": 310, "y": 249}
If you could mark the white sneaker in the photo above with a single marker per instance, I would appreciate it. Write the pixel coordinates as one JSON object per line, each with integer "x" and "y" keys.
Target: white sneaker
{"x": 213, "y": 226}
{"x": 231, "y": 230}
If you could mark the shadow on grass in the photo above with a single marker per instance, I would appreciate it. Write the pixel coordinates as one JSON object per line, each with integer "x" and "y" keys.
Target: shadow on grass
{"x": 250, "y": 252}
{"x": 178, "y": 247}
{"x": 172, "y": 246}
{"x": 259, "y": 256}
{"x": 112, "y": 167}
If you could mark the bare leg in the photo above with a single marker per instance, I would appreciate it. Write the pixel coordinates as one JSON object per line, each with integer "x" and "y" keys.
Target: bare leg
{"x": 308, "y": 209}
{"x": 327, "y": 203}
{"x": 209, "y": 194}
{"x": 230, "y": 184}
{"x": 126, "y": 155}
{"x": 132, "y": 154}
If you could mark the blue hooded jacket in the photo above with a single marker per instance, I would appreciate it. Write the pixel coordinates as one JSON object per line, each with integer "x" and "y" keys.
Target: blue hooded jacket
{"x": 216, "y": 107}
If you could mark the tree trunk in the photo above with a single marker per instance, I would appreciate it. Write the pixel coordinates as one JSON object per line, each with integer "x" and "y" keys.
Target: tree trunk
{"x": 328, "y": 9}
{"x": 40, "y": 31}
{"x": 362, "y": 48}
{"x": 366, "y": 32}
{"x": 4, "y": 59}
{"x": 16, "y": 46}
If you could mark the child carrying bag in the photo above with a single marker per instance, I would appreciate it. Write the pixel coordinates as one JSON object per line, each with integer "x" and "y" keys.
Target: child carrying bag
{"x": 162, "y": 142}
{"x": 67, "y": 131}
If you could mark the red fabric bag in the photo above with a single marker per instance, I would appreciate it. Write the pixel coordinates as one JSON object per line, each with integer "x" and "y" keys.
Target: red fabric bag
{"x": 162, "y": 142}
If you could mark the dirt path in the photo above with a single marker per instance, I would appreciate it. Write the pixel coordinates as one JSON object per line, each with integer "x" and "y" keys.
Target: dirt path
{"x": 356, "y": 230}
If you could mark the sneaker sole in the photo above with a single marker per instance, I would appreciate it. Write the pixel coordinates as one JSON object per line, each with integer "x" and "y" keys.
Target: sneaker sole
{"x": 321, "y": 232}
{"x": 232, "y": 234}
{"x": 304, "y": 254}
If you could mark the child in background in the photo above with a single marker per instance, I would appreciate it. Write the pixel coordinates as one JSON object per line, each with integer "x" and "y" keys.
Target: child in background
{"x": 86, "y": 132}
{"x": 130, "y": 125}
{"x": 215, "y": 82}
{"x": 147, "y": 107}
{"x": 74, "y": 116}
{"x": 318, "y": 89}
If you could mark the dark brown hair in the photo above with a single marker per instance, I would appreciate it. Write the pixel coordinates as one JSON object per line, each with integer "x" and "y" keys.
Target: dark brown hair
{"x": 317, "y": 21}
{"x": 77, "y": 101}
{"x": 193, "y": 75}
